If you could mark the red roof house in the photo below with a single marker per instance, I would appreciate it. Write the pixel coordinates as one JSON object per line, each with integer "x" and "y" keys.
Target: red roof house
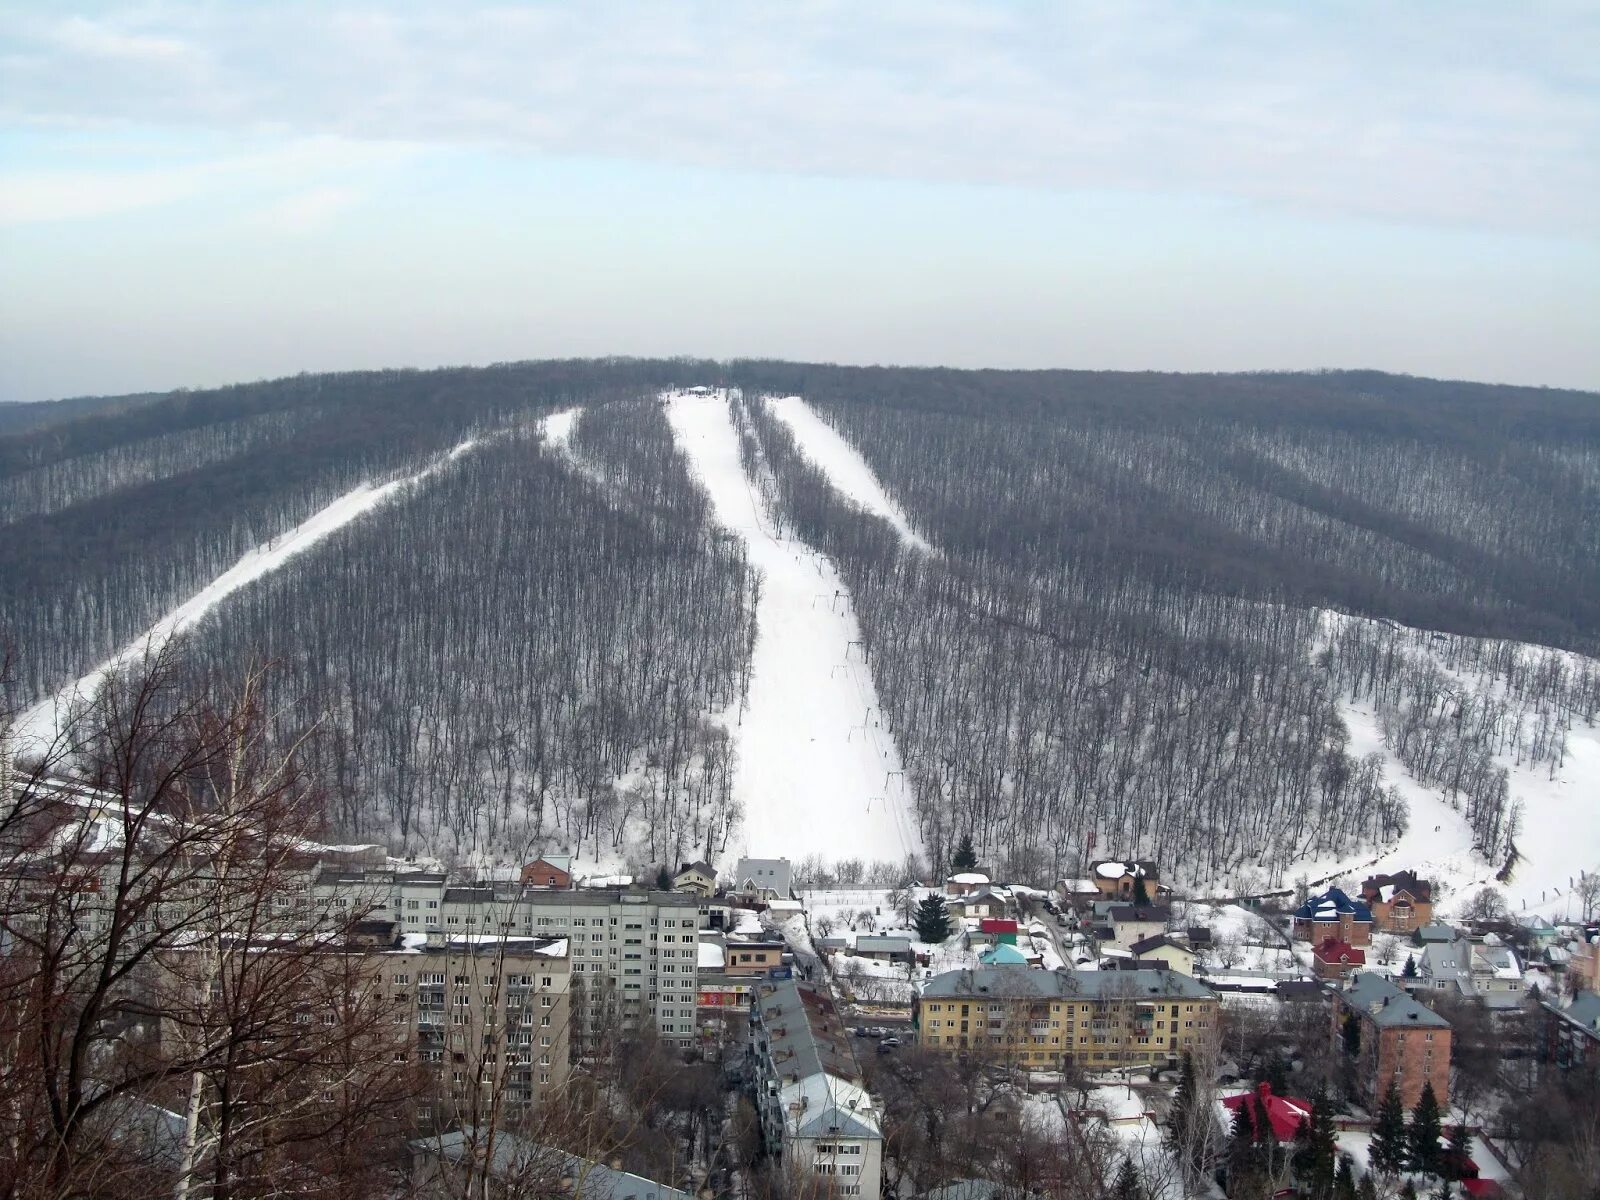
{"x": 1284, "y": 1113}
{"x": 1334, "y": 959}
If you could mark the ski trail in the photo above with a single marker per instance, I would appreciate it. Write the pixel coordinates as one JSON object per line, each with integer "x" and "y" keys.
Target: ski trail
{"x": 41, "y": 725}
{"x": 557, "y": 427}
{"x": 815, "y": 773}
{"x": 831, "y": 453}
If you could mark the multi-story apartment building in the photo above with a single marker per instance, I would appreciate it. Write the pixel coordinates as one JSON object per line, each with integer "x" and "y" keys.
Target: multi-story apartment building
{"x": 634, "y": 954}
{"x": 817, "y": 1117}
{"x": 1043, "y": 1019}
{"x": 1393, "y": 1037}
{"x": 493, "y": 1018}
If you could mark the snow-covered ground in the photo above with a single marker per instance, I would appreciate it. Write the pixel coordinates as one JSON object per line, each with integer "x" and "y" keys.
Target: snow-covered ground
{"x": 1560, "y": 833}
{"x": 841, "y": 462}
{"x": 815, "y": 774}
{"x": 37, "y": 728}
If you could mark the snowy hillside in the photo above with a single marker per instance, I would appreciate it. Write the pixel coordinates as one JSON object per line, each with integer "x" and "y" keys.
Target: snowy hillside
{"x": 1559, "y": 834}
{"x": 815, "y": 774}
{"x": 842, "y": 463}
{"x": 38, "y": 727}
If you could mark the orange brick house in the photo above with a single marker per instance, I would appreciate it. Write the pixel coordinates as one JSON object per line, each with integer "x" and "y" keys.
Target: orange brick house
{"x": 1334, "y": 959}
{"x": 1333, "y": 914}
{"x": 1400, "y": 903}
{"x": 548, "y": 873}
{"x": 1392, "y": 1037}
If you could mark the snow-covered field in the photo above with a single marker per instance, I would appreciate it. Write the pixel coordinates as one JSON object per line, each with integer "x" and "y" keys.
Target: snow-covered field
{"x": 37, "y": 728}
{"x": 815, "y": 774}
{"x": 835, "y": 457}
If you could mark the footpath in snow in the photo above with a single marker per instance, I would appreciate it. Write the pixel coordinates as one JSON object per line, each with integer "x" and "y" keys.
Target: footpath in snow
{"x": 36, "y": 729}
{"x": 842, "y": 463}
{"x": 815, "y": 774}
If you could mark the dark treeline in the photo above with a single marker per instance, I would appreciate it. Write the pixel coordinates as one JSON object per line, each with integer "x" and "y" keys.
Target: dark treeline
{"x": 1463, "y": 507}
{"x": 491, "y": 656}
{"x": 120, "y": 516}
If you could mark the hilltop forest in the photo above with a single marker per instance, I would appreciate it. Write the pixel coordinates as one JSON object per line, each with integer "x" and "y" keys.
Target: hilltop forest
{"x": 1124, "y": 624}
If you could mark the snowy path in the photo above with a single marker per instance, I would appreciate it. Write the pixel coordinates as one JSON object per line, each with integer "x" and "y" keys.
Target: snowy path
{"x": 39, "y": 726}
{"x": 842, "y": 463}
{"x": 815, "y": 775}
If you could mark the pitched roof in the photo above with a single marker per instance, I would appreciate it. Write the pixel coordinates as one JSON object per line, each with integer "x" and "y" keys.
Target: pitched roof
{"x": 1284, "y": 1113}
{"x": 1146, "y": 945}
{"x": 1332, "y": 905}
{"x": 1332, "y": 950}
{"x": 1062, "y": 984}
{"x": 1378, "y": 1000}
{"x": 1384, "y": 887}
{"x": 1003, "y": 955}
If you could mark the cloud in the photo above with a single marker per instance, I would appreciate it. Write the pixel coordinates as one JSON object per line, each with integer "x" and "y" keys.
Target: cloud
{"x": 1476, "y": 113}
{"x": 299, "y": 180}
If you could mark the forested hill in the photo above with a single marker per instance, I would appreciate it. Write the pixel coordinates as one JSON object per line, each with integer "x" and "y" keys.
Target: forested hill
{"x": 548, "y": 638}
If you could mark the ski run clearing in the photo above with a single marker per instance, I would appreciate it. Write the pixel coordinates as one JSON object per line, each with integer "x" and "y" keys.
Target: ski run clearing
{"x": 846, "y": 470}
{"x": 815, "y": 774}
{"x": 41, "y": 726}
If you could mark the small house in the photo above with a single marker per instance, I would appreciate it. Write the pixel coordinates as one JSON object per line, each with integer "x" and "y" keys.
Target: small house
{"x": 1333, "y": 959}
{"x": 1160, "y": 948}
{"x": 698, "y": 878}
{"x": 1333, "y": 914}
{"x": 552, "y": 872}
{"x": 1399, "y": 903}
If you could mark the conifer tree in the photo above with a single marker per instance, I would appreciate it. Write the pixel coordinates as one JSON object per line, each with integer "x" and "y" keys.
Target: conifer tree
{"x": 1141, "y": 893}
{"x": 1460, "y": 1144}
{"x": 1344, "y": 1181}
{"x": 1318, "y": 1153}
{"x": 1367, "y": 1189}
{"x": 966, "y": 857}
{"x": 933, "y": 919}
{"x": 1422, "y": 1136}
{"x": 1409, "y": 971}
{"x": 1128, "y": 1185}
{"x": 1389, "y": 1142}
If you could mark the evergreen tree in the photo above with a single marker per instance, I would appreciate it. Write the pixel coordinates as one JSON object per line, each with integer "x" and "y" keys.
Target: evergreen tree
{"x": 1366, "y": 1189}
{"x": 1409, "y": 971}
{"x": 933, "y": 919}
{"x": 1344, "y": 1181}
{"x": 1408, "y": 1191}
{"x": 1318, "y": 1155}
{"x": 1180, "y": 1116}
{"x": 1352, "y": 1035}
{"x": 965, "y": 857}
{"x": 1128, "y": 1185}
{"x": 1243, "y": 1155}
{"x": 1389, "y": 1142}
{"x": 1459, "y": 1142}
{"x": 1141, "y": 893}
{"x": 1422, "y": 1137}
{"x": 663, "y": 879}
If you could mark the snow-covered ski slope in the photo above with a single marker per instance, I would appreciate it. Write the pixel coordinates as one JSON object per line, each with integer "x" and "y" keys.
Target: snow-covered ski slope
{"x": 1560, "y": 835}
{"x": 41, "y": 725}
{"x": 841, "y": 462}
{"x": 815, "y": 773}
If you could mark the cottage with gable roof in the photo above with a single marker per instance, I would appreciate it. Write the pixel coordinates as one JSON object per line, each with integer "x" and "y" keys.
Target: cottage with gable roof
{"x": 1399, "y": 903}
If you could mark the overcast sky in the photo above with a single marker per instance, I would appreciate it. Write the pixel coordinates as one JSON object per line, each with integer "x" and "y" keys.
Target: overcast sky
{"x": 195, "y": 193}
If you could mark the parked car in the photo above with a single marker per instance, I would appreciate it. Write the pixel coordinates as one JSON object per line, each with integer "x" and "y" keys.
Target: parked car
{"x": 890, "y": 1041}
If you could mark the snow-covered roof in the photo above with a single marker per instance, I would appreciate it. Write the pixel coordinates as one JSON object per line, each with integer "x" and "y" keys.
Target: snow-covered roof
{"x": 972, "y": 877}
{"x": 712, "y": 957}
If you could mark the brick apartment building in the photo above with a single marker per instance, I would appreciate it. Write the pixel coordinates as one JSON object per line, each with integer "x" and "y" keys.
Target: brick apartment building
{"x": 1393, "y": 1037}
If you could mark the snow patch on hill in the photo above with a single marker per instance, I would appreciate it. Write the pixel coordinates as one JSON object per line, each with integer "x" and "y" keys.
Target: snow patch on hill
{"x": 815, "y": 773}
{"x": 1559, "y": 838}
{"x": 830, "y": 452}
{"x": 39, "y": 727}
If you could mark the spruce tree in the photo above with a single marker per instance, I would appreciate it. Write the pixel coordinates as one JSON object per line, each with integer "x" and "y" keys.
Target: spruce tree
{"x": 1366, "y": 1189}
{"x": 1322, "y": 1148}
{"x": 1459, "y": 1141}
{"x": 663, "y": 879}
{"x": 1141, "y": 893}
{"x": 1128, "y": 1185}
{"x": 1180, "y": 1115}
{"x": 1422, "y": 1137}
{"x": 1409, "y": 971}
{"x": 932, "y": 920}
{"x": 1389, "y": 1143}
{"x": 1344, "y": 1181}
{"x": 1408, "y": 1191}
{"x": 965, "y": 857}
